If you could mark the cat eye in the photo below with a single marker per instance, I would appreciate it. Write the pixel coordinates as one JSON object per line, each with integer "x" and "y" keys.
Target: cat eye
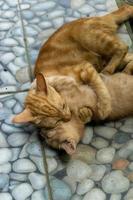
{"x": 64, "y": 105}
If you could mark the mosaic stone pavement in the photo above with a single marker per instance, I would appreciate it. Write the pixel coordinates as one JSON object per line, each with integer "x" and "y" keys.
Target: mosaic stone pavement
{"x": 102, "y": 168}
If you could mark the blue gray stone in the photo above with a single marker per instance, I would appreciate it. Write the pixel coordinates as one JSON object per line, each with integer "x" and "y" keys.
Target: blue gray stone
{"x": 39, "y": 194}
{"x": 6, "y": 155}
{"x": 4, "y": 113}
{"x": 23, "y": 166}
{"x": 4, "y": 180}
{"x": 15, "y": 153}
{"x": 3, "y": 142}
{"x": 7, "y": 78}
{"x": 17, "y": 108}
{"x": 34, "y": 149}
{"x": 23, "y": 190}
{"x": 5, "y": 196}
{"x": 18, "y": 177}
{"x": 43, "y": 6}
{"x": 120, "y": 183}
{"x": 17, "y": 139}
{"x": 28, "y": 14}
{"x": 9, "y": 103}
{"x": 4, "y": 26}
{"x": 37, "y": 180}
{"x": 7, "y": 57}
{"x": 64, "y": 3}
{"x": 60, "y": 190}
{"x": 121, "y": 137}
{"x": 9, "y": 42}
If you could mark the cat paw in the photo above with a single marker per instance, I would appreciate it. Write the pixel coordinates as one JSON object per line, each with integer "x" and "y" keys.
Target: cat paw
{"x": 85, "y": 114}
{"x": 87, "y": 73}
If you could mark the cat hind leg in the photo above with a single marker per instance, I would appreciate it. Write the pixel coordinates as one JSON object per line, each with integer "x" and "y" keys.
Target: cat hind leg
{"x": 124, "y": 13}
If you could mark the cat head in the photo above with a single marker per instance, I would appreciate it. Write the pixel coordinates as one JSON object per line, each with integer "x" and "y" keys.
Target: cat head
{"x": 66, "y": 135}
{"x": 44, "y": 106}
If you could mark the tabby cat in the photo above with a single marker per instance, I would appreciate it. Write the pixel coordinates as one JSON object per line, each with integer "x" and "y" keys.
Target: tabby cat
{"x": 64, "y": 59}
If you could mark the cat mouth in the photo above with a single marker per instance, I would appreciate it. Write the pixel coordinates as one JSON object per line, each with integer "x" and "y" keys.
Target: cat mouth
{"x": 69, "y": 147}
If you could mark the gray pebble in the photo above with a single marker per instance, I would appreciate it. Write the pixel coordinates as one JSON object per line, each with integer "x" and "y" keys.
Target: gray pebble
{"x": 34, "y": 149}
{"x": 121, "y": 137}
{"x": 38, "y": 195}
{"x": 85, "y": 186}
{"x": 88, "y": 134}
{"x": 10, "y": 129}
{"x": 7, "y": 57}
{"x": 17, "y": 139}
{"x": 5, "y": 168}
{"x": 86, "y": 9}
{"x": 78, "y": 170}
{"x": 10, "y": 103}
{"x": 24, "y": 152}
{"x": 45, "y": 24}
{"x": 28, "y": 14}
{"x": 37, "y": 180}
{"x": 56, "y": 14}
{"x": 4, "y": 180}
{"x": 6, "y": 155}
{"x": 106, "y": 132}
{"x": 98, "y": 172}
{"x": 99, "y": 143}
{"x": 23, "y": 166}
{"x": 129, "y": 194}
{"x": 43, "y": 6}
{"x": 5, "y": 196}
{"x": 19, "y": 51}
{"x": 5, "y": 26}
{"x": 7, "y": 78}
{"x": 17, "y": 108}
{"x": 95, "y": 194}
{"x": 3, "y": 142}
{"x": 12, "y": 3}
{"x": 9, "y": 42}
{"x": 115, "y": 177}
{"x": 18, "y": 177}
{"x": 15, "y": 153}
{"x": 105, "y": 155}
{"x": 115, "y": 197}
{"x": 60, "y": 190}
{"x": 12, "y": 68}
{"x": 23, "y": 190}
{"x": 39, "y": 163}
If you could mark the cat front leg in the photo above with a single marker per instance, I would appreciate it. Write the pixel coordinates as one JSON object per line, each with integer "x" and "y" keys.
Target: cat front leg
{"x": 91, "y": 77}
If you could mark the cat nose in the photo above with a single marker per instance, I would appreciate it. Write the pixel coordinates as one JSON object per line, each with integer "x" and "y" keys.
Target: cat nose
{"x": 67, "y": 116}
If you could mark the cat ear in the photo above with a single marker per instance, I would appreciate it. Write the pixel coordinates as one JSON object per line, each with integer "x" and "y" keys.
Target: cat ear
{"x": 23, "y": 117}
{"x": 41, "y": 83}
{"x": 69, "y": 146}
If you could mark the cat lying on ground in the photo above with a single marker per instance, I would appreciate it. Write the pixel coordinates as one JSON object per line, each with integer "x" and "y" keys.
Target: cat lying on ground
{"x": 68, "y": 53}
{"x": 87, "y": 40}
{"x": 77, "y": 104}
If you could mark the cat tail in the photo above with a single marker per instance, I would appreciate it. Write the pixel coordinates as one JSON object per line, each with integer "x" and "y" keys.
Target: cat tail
{"x": 124, "y": 13}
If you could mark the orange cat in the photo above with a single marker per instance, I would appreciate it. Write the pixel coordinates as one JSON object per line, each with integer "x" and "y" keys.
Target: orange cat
{"x": 75, "y": 106}
{"x": 69, "y": 52}
{"x": 87, "y": 40}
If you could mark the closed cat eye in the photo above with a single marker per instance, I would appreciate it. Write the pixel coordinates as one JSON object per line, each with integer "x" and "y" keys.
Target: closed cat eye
{"x": 64, "y": 106}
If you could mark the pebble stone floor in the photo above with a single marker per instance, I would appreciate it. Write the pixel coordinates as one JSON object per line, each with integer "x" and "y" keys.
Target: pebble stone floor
{"x": 102, "y": 168}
